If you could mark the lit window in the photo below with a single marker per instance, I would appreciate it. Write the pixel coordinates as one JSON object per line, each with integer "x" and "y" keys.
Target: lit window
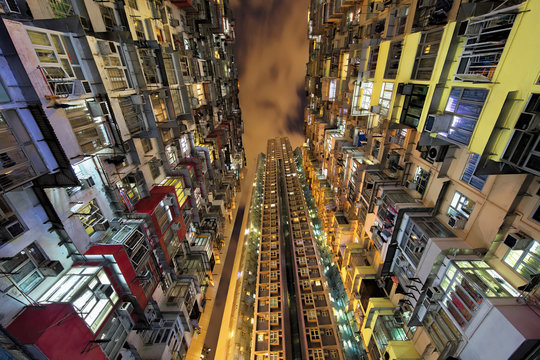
{"x": 525, "y": 261}
{"x": 91, "y": 217}
{"x": 465, "y": 104}
{"x": 461, "y": 205}
{"x": 332, "y": 90}
{"x": 421, "y": 179}
{"x": 274, "y": 337}
{"x": 366, "y": 90}
{"x": 386, "y": 97}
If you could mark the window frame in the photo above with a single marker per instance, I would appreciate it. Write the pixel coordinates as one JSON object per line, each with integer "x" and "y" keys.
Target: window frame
{"x": 468, "y": 175}
{"x": 460, "y": 201}
{"x": 530, "y": 250}
{"x": 27, "y": 258}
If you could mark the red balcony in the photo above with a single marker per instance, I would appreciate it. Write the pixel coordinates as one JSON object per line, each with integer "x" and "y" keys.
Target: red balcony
{"x": 57, "y": 331}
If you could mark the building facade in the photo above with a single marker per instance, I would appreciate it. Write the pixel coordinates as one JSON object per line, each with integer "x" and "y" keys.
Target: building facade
{"x": 293, "y": 313}
{"x": 421, "y": 140}
{"x": 121, "y": 158}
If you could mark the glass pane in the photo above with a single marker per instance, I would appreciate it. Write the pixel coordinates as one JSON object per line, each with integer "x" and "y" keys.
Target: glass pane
{"x": 31, "y": 282}
{"x": 67, "y": 67}
{"x": 23, "y": 271}
{"x": 38, "y": 38}
{"x": 46, "y": 56}
{"x": 58, "y": 44}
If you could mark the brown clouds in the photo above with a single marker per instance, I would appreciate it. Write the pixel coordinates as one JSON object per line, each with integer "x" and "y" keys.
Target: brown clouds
{"x": 271, "y": 53}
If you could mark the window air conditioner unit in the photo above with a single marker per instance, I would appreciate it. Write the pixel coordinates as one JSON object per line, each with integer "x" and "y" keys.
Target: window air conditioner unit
{"x": 376, "y": 109}
{"x": 147, "y": 275}
{"x": 87, "y": 182}
{"x": 168, "y": 200}
{"x": 116, "y": 223}
{"x": 457, "y": 222}
{"x": 104, "y": 291}
{"x": 412, "y": 185}
{"x": 51, "y": 268}
{"x": 14, "y": 229}
{"x": 125, "y": 308}
{"x": 517, "y": 241}
{"x": 434, "y": 293}
{"x": 436, "y": 153}
{"x": 102, "y": 226}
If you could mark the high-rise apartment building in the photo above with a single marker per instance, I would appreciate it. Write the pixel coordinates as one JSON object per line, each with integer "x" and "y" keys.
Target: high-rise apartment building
{"x": 421, "y": 153}
{"x": 120, "y": 156}
{"x": 293, "y": 317}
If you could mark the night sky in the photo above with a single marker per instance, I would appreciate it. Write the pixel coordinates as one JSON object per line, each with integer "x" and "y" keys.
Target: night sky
{"x": 271, "y": 54}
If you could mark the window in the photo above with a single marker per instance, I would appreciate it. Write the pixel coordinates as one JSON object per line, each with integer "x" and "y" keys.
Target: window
{"x": 273, "y": 302}
{"x": 90, "y": 291}
{"x": 107, "y": 14}
{"x": 154, "y": 168}
{"x": 483, "y": 48}
{"x": 376, "y": 148}
{"x": 312, "y": 315}
{"x": 367, "y": 89}
{"x": 314, "y": 334}
{"x": 332, "y": 89}
{"x": 372, "y": 64}
{"x": 274, "y": 337}
{"x": 386, "y": 97}
{"x": 90, "y": 216}
{"x": 133, "y": 4}
{"x": 274, "y": 356}
{"x": 466, "y": 105}
{"x": 139, "y": 30}
{"x": 421, "y": 179}
{"x": 184, "y": 146}
{"x": 146, "y": 144}
{"x": 316, "y": 354}
{"x": 394, "y": 55}
{"x": 426, "y": 55}
{"x": 525, "y": 261}
{"x": 23, "y": 268}
{"x": 461, "y": 205}
{"x": 536, "y": 214}
{"x": 476, "y": 181}
{"x": 57, "y": 59}
{"x": 160, "y": 109}
{"x": 328, "y": 332}
{"x": 274, "y": 319}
